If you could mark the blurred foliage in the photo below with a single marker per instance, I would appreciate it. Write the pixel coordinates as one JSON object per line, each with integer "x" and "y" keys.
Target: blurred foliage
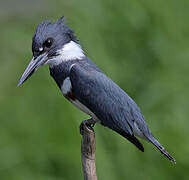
{"x": 142, "y": 45}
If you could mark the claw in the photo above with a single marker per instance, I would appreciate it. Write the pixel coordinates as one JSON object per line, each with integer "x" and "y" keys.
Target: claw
{"x": 90, "y": 123}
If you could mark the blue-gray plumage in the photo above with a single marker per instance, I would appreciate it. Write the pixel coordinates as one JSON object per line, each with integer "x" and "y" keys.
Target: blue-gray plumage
{"x": 85, "y": 85}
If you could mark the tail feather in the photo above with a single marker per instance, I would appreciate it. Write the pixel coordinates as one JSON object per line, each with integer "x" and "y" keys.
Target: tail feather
{"x": 132, "y": 139}
{"x": 161, "y": 149}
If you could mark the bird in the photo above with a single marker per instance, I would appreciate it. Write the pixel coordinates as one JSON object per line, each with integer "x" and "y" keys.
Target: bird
{"x": 84, "y": 84}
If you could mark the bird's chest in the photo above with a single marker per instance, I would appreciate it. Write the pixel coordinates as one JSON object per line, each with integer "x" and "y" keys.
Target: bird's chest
{"x": 67, "y": 92}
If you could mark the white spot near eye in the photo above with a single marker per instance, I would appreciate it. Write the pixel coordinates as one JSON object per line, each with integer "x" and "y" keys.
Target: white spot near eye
{"x": 41, "y": 49}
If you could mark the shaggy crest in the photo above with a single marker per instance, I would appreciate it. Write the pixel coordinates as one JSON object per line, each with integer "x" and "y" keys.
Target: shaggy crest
{"x": 57, "y": 29}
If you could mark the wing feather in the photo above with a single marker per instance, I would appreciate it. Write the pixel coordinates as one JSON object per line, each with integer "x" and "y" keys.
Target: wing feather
{"x": 106, "y": 100}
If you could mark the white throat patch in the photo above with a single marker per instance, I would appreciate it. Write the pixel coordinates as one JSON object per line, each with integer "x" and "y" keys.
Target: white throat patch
{"x": 69, "y": 51}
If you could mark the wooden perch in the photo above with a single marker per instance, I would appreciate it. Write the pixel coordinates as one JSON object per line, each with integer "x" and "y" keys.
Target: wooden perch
{"x": 88, "y": 151}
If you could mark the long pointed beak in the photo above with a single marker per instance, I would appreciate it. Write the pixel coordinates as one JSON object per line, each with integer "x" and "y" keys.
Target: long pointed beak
{"x": 34, "y": 64}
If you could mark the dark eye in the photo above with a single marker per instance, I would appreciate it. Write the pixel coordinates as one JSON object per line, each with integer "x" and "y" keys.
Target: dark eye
{"x": 48, "y": 43}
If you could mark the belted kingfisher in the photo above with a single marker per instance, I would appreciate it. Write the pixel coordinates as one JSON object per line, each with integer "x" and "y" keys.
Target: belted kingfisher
{"x": 85, "y": 85}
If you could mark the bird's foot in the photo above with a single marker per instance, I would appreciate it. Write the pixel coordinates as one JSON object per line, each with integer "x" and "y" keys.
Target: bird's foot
{"x": 90, "y": 123}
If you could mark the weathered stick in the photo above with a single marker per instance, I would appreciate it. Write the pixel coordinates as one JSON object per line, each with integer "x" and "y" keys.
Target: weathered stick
{"x": 88, "y": 151}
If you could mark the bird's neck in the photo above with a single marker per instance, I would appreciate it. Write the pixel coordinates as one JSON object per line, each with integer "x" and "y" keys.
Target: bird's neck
{"x": 68, "y": 52}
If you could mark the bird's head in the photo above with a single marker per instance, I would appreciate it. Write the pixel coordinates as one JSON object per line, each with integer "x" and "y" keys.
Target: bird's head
{"x": 52, "y": 43}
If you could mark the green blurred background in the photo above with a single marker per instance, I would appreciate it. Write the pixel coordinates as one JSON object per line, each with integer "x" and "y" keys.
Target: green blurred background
{"x": 142, "y": 45}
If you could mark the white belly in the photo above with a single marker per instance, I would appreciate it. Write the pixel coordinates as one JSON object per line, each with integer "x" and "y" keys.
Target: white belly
{"x": 66, "y": 88}
{"x": 84, "y": 109}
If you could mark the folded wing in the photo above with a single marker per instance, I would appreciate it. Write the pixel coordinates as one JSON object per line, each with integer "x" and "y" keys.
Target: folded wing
{"x": 113, "y": 107}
